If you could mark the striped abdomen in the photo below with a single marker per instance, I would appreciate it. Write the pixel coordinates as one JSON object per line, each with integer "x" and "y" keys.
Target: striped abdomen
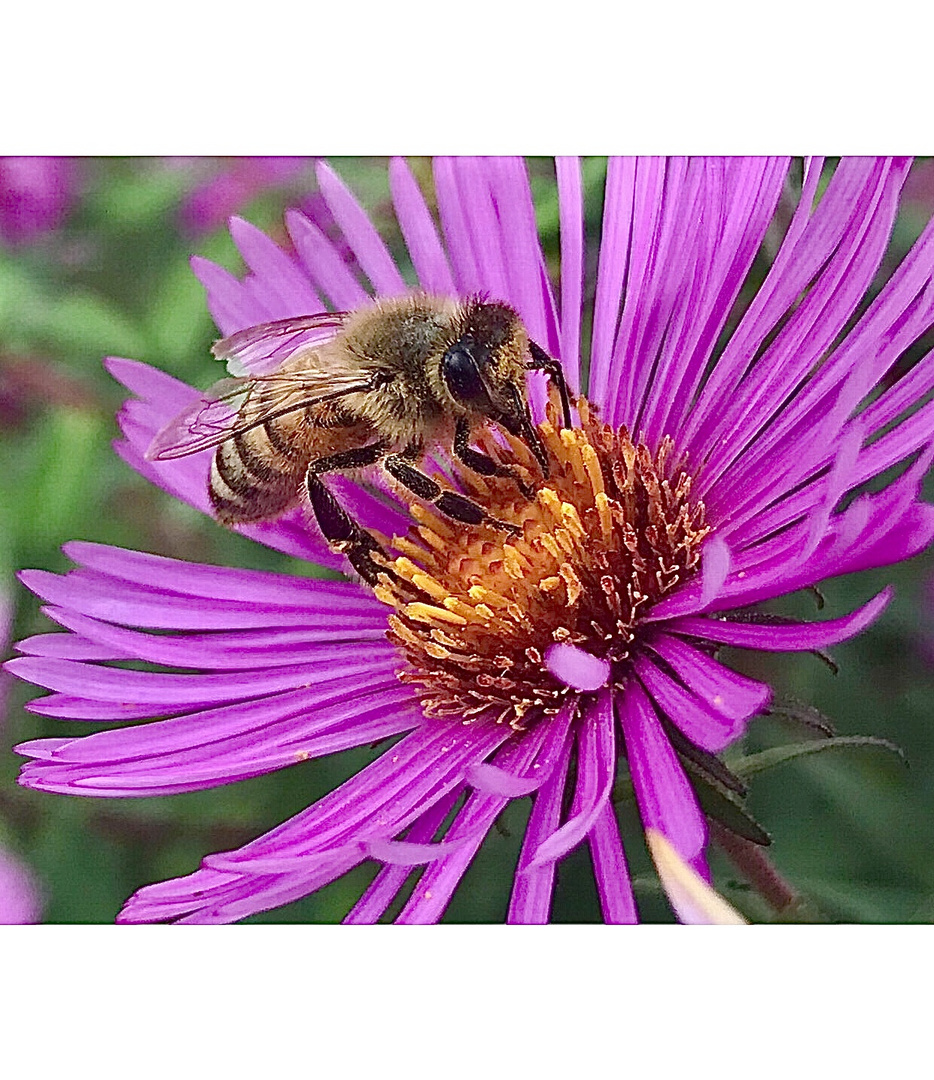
{"x": 258, "y": 474}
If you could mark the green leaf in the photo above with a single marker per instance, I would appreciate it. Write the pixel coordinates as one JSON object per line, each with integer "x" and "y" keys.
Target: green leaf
{"x": 725, "y": 806}
{"x": 750, "y": 764}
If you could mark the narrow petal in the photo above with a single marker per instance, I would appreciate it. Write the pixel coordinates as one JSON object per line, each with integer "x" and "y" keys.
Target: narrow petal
{"x": 20, "y": 897}
{"x": 690, "y": 711}
{"x": 779, "y": 637}
{"x": 367, "y": 245}
{"x": 386, "y": 885}
{"x": 733, "y": 695}
{"x": 230, "y": 304}
{"x": 572, "y": 239}
{"x": 537, "y": 751}
{"x": 222, "y": 583}
{"x": 596, "y": 770}
{"x": 715, "y": 568}
{"x": 533, "y": 887}
{"x": 610, "y": 869}
{"x": 611, "y": 272}
{"x": 421, "y": 237}
{"x": 325, "y": 265}
{"x": 284, "y": 289}
{"x": 663, "y": 793}
{"x": 378, "y": 802}
{"x": 576, "y": 668}
{"x": 457, "y": 233}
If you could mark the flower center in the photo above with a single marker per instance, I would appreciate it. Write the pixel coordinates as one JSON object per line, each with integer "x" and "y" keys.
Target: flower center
{"x": 508, "y": 625}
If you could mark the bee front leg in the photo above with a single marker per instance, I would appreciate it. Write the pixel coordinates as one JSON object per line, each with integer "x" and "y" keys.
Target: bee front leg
{"x": 449, "y": 503}
{"x": 482, "y": 463}
{"x": 541, "y": 361}
{"x": 340, "y": 530}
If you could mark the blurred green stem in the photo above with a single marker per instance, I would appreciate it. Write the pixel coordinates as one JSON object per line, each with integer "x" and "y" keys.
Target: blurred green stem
{"x": 753, "y": 863}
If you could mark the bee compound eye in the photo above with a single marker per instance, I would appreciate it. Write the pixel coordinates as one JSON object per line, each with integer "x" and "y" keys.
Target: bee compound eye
{"x": 462, "y": 377}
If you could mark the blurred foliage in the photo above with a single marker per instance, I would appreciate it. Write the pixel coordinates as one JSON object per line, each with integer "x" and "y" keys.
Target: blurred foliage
{"x": 851, "y": 829}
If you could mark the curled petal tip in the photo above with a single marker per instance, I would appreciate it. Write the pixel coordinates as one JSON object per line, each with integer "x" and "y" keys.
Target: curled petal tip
{"x": 577, "y": 668}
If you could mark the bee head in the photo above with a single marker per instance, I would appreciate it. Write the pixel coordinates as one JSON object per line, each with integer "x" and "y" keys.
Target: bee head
{"x": 486, "y": 360}
{"x": 484, "y": 370}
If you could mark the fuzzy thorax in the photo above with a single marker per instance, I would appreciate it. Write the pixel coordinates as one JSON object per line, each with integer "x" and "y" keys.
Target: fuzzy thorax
{"x": 610, "y": 532}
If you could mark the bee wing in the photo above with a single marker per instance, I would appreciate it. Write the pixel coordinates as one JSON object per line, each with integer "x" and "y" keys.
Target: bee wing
{"x": 206, "y": 422}
{"x": 223, "y": 411}
{"x": 256, "y": 350}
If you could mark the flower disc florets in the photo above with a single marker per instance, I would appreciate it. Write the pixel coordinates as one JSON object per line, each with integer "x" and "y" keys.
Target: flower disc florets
{"x": 609, "y": 532}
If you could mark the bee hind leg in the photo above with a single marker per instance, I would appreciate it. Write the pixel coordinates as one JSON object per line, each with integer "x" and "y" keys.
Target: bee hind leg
{"x": 340, "y": 530}
{"x": 449, "y": 503}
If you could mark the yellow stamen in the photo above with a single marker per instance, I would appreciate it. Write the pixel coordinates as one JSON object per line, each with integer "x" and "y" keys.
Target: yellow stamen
{"x": 429, "y": 613}
{"x": 608, "y": 534}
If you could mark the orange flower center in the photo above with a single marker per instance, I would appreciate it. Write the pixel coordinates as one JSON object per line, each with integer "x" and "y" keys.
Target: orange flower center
{"x": 610, "y": 532}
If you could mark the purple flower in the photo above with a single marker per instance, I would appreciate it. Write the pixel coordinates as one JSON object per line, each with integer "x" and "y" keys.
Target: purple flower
{"x": 227, "y": 192}
{"x": 703, "y": 477}
{"x": 20, "y": 901}
{"x": 35, "y": 195}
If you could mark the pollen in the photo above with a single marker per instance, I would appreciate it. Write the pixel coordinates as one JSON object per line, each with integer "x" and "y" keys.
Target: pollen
{"x": 610, "y": 531}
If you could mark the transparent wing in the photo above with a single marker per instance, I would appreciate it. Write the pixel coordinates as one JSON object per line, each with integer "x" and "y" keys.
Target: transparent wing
{"x": 233, "y": 406}
{"x": 258, "y": 350}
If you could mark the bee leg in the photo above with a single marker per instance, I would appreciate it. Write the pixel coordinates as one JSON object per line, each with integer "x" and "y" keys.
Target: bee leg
{"x": 541, "y": 361}
{"x": 450, "y": 503}
{"x": 342, "y": 533}
{"x": 358, "y": 458}
{"x": 482, "y": 463}
{"x": 340, "y": 530}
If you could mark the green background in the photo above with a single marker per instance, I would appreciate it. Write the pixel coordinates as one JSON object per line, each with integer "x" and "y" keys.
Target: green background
{"x": 851, "y": 828}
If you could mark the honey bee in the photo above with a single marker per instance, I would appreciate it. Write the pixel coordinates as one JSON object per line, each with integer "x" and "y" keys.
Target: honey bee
{"x": 350, "y": 390}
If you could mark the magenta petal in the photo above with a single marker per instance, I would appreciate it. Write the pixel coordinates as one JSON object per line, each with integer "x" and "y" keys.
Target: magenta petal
{"x": 611, "y": 272}
{"x": 596, "y": 770}
{"x": 164, "y": 691}
{"x": 540, "y": 749}
{"x": 610, "y": 869}
{"x": 666, "y": 801}
{"x": 421, "y": 237}
{"x": 457, "y": 234}
{"x": 715, "y": 568}
{"x": 284, "y": 289}
{"x": 698, "y": 718}
{"x": 492, "y": 780}
{"x": 230, "y": 305}
{"x": 20, "y": 898}
{"x": 423, "y": 767}
{"x": 328, "y": 268}
{"x": 734, "y": 694}
{"x": 533, "y": 886}
{"x": 406, "y": 853}
{"x": 69, "y": 647}
{"x": 571, "y": 206}
{"x": 576, "y": 668}
{"x": 365, "y": 242}
{"x": 386, "y": 885}
{"x": 782, "y": 637}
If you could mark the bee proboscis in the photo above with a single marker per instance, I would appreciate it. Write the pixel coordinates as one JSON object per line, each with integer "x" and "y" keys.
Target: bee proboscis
{"x": 339, "y": 391}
